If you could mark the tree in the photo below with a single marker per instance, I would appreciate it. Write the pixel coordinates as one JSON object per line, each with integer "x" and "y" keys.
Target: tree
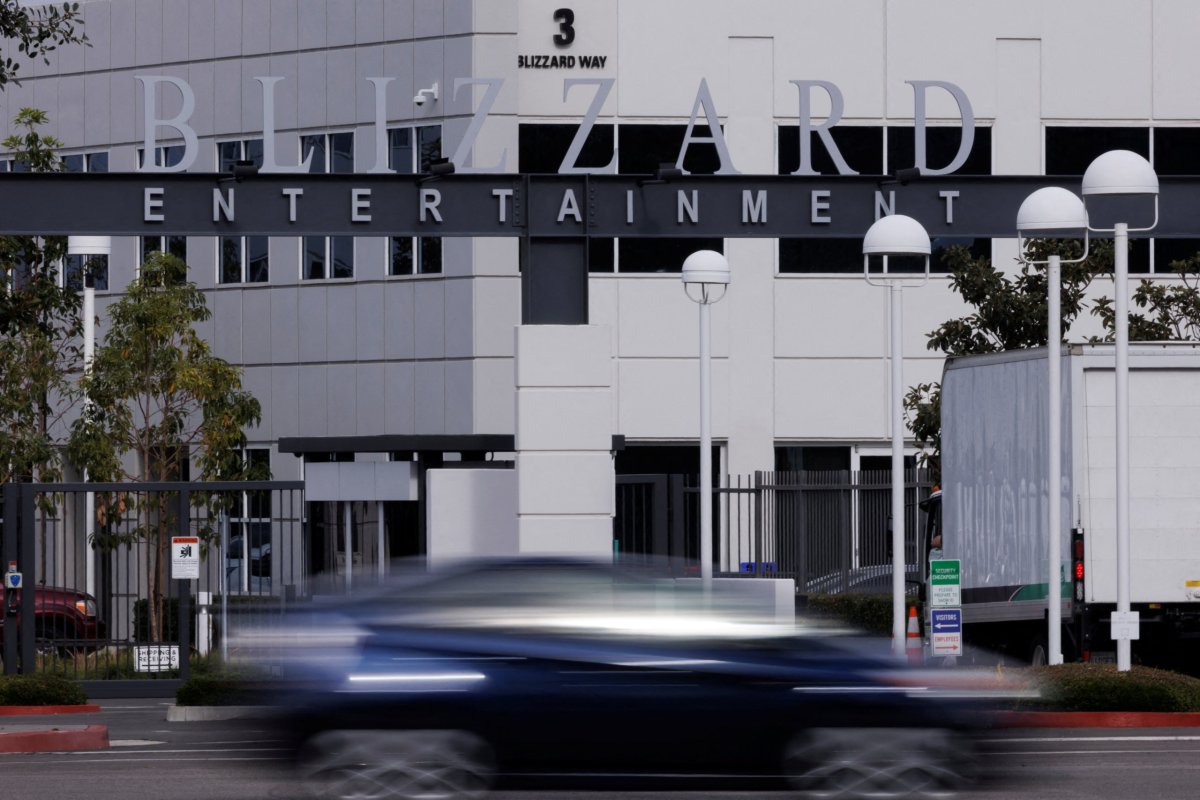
{"x": 40, "y": 330}
{"x": 1172, "y": 309}
{"x": 37, "y": 32}
{"x": 1010, "y": 312}
{"x": 158, "y": 400}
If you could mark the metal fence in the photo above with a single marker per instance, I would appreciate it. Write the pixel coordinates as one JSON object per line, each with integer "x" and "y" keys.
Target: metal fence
{"x": 829, "y": 531}
{"x": 101, "y": 597}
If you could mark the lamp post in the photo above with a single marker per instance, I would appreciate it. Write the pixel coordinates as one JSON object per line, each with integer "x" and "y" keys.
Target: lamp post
{"x": 88, "y": 247}
{"x": 1053, "y": 212}
{"x": 896, "y": 235}
{"x": 1122, "y": 173}
{"x": 706, "y": 272}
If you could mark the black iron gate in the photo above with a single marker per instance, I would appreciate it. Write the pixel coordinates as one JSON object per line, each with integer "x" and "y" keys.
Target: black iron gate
{"x": 103, "y": 595}
{"x": 829, "y": 531}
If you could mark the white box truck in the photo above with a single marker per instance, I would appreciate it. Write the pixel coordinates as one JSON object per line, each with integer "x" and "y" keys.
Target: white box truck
{"x": 993, "y": 514}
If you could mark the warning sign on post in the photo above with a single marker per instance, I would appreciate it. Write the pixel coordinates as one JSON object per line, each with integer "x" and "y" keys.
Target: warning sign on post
{"x": 185, "y": 557}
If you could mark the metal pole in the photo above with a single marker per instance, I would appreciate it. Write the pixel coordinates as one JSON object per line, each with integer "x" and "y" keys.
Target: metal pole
{"x": 1054, "y": 466}
{"x": 89, "y": 503}
{"x": 1121, "y": 325}
{"x": 348, "y": 542}
{"x": 705, "y": 446}
{"x": 898, "y": 619}
{"x": 223, "y": 524}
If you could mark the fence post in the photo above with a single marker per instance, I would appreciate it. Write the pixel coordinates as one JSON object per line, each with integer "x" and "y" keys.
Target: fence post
{"x": 27, "y": 562}
{"x": 760, "y": 555}
{"x": 184, "y": 587}
{"x": 11, "y": 517}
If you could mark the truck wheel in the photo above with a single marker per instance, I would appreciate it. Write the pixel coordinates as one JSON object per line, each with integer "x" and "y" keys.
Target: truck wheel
{"x": 1037, "y": 657}
{"x": 48, "y": 641}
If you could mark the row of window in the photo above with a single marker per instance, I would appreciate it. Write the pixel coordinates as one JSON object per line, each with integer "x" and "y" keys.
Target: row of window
{"x": 246, "y": 259}
{"x": 865, "y": 149}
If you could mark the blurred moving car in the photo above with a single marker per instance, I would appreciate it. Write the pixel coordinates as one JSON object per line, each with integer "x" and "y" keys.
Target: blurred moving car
{"x": 438, "y": 687}
{"x": 66, "y": 620}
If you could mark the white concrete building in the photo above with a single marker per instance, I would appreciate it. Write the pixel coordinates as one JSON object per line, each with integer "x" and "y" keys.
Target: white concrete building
{"x": 388, "y": 348}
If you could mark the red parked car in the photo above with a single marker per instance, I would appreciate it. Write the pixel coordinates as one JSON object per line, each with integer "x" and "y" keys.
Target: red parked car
{"x": 66, "y": 620}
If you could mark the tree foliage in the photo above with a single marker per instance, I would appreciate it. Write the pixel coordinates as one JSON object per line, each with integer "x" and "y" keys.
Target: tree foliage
{"x": 40, "y": 331}
{"x": 1171, "y": 311}
{"x": 158, "y": 401}
{"x": 36, "y": 32}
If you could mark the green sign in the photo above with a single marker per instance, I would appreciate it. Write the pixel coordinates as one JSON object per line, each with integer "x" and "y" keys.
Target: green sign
{"x": 944, "y": 572}
{"x": 944, "y": 583}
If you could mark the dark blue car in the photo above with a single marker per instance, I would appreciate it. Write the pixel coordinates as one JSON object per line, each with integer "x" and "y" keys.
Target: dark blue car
{"x": 553, "y": 669}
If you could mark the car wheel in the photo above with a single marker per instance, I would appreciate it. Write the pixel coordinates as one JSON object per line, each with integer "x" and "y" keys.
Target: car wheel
{"x": 47, "y": 642}
{"x": 829, "y": 763}
{"x": 397, "y": 765}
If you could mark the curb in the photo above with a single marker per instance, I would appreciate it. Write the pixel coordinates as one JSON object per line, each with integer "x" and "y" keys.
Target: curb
{"x": 210, "y": 713}
{"x": 1097, "y": 719}
{"x": 25, "y": 711}
{"x": 83, "y": 737}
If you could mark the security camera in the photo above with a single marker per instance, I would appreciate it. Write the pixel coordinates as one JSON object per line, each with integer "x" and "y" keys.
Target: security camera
{"x": 425, "y": 95}
{"x": 419, "y": 99}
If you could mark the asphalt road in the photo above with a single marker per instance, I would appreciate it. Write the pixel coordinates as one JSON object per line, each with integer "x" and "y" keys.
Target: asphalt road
{"x": 152, "y": 759}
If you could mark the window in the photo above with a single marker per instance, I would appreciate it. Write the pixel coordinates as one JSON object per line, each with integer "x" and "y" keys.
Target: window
{"x": 167, "y": 155}
{"x": 78, "y": 269}
{"x": 875, "y": 150}
{"x": 242, "y": 259}
{"x": 248, "y": 566}
{"x": 324, "y": 257}
{"x": 413, "y": 150}
{"x": 1070, "y": 149}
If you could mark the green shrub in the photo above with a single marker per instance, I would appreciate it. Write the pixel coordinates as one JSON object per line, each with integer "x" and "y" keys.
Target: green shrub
{"x": 40, "y": 690}
{"x": 222, "y": 688}
{"x": 1099, "y": 687}
{"x": 870, "y": 612}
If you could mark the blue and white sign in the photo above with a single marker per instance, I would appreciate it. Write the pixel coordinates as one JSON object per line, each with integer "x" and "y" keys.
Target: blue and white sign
{"x": 945, "y": 631}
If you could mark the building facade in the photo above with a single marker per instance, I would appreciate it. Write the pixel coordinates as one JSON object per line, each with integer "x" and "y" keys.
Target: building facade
{"x": 407, "y": 349}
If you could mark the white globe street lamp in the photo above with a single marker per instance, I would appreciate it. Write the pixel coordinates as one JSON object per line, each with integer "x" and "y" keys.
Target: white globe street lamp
{"x": 705, "y": 279}
{"x": 1053, "y": 212}
{"x": 896, "y": 235}
{"x": 1115, "y": 173}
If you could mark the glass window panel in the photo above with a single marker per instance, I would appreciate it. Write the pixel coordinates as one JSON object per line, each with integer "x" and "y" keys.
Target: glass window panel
{"x": 316, "y": 146}
{"x": 941, "y": 146}
{"x": 341, "y": 149}
{"x": 643, "y": 148}
{"x": 980, "y": 248}
{"x": 98, "y": 267}
{"x": 253, "y": 151}
{"x": 17, "y": 165}
{"x": 97, "y": 162}
{"x": 231, "y": 260}
{"x": 542, "y": 147}
{"x": 431, "y": 255}
{"x": 177, "y": 246}
{"x": 823, "y": 254}
{"x": 228, "y": 154}
{"x": 400, "y": 151}
{"x": 172, "y": 154}
{"x": 401, "y": 260}
{"x": 150, "y": 245}
{"x": 661, "y": 255}
{"x": 1177, "y": 151}
{"x": 429, "y": 143}
{"x": 257, "y": 259}
{"x": 314, "y": 258}
{"x": 1069, "y": 150}
{"x": 73, "y": 163}
{"x": 861, "y": 146}
{"x": 73, "y": 273}
{"x": 601, "y": 255}
{"x": 343, "y": 256}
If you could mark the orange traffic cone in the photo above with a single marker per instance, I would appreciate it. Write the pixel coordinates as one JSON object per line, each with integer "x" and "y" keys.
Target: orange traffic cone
{"x": 913, "y": 646}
